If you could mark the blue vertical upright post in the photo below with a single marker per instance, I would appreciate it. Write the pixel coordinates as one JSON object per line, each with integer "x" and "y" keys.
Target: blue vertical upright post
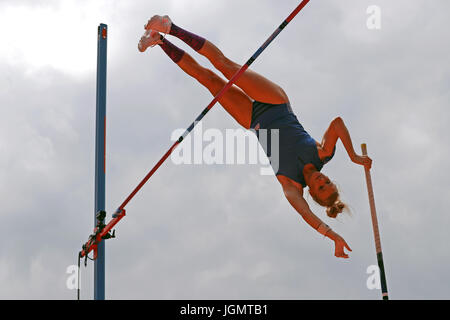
{"x": 100, "y": 151}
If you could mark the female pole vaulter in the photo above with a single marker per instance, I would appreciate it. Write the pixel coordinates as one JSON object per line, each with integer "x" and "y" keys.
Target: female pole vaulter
{"x": 257, "y": 103}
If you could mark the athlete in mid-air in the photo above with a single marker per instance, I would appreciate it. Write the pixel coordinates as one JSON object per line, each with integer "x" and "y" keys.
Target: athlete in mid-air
{"x": 257, "y": 103}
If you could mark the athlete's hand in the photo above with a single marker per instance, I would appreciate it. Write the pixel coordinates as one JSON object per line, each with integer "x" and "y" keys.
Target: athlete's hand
{"x": 363, "y": 160}
{"x": 339, "y": 245}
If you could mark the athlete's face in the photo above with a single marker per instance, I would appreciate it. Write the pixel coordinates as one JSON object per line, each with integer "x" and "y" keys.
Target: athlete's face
{"x": 321, "y": 186}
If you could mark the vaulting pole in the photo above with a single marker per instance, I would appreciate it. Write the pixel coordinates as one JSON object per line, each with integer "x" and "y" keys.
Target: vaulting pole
{"x": 100, "y": 150}
{"x": 376, "y": 231}
{"x": 120, "y": 212}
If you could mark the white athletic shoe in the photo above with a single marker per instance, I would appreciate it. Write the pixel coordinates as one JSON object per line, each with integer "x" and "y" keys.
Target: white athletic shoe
{"x": 150, "y": 39}
{"x": 159, "y": 23}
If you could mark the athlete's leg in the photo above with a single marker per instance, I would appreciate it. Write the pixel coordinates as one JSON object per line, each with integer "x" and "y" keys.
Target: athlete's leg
{"x": 234, "y": 100}
{"x": 256, "y": 86}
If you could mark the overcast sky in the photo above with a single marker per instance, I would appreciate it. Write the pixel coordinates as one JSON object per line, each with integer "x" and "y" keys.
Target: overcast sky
{"x": 222, "y": 231}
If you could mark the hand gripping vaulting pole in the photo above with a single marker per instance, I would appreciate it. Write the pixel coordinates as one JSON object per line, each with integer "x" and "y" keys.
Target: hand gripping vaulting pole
{"x": 376, "y": 232}
{"x": 120, "y": 212}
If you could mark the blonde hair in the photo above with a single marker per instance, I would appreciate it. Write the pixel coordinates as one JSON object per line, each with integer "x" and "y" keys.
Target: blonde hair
{"x": 337, "y": 207}
{"x": 333, "y": 204}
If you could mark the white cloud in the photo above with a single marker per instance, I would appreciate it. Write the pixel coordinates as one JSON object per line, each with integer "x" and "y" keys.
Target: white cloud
{"x": 220, "y": 231}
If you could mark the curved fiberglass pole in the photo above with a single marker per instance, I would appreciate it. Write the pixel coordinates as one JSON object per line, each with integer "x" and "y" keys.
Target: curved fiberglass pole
{"x": 376, "y": 231}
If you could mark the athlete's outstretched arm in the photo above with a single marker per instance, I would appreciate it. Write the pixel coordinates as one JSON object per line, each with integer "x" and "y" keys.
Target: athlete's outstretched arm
{"x": 337, "y": 129}
{"x": 295, "y": 198}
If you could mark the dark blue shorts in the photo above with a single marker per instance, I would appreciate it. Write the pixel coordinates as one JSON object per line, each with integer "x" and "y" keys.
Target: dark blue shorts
{"x": 295, "y": 146}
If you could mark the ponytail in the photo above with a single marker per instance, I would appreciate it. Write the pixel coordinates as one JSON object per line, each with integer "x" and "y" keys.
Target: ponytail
{"x": 337, "y": 207}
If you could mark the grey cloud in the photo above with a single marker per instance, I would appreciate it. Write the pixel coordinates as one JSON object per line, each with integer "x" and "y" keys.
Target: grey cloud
{"x": 200, "y": 232}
